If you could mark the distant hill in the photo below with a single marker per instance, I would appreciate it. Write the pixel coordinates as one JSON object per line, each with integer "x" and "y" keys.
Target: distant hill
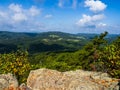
{"x": 46, "y": 41}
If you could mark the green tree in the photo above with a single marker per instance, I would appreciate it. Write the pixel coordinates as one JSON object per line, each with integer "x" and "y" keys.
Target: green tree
{"x": 15, "y": 63}
{"x": 93, "y": 52}
{"x": 111, "y": 58}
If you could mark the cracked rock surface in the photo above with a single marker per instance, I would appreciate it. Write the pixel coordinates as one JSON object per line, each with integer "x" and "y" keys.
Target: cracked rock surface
{"x": 45, "y": 79}
{"x": 8, "y": 82}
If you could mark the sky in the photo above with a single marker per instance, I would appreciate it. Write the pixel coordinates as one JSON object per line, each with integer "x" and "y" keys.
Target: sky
{"x": 71, "y": 16}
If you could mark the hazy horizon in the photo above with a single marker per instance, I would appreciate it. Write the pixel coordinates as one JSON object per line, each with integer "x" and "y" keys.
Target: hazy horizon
{"x": 69, "y": 16}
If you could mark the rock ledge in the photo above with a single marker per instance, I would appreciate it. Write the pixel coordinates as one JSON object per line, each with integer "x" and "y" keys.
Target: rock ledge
{"x": 45, "y": 79}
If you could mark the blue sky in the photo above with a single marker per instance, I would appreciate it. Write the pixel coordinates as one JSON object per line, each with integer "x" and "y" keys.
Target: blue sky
{"x": 72, "y": 16}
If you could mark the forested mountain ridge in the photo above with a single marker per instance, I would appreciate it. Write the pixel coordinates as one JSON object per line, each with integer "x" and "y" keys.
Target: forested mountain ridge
{"x": 46, "y": 41}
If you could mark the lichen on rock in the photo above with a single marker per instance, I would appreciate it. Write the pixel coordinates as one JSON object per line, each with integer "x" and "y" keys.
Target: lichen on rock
{"x": 46, "y": 79}
{"x": 8, "y": 82}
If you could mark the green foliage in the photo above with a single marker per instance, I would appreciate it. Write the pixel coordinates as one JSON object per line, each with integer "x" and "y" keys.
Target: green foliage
{"x": 44, "y": 42}
{"x": 15, "y": 63}
{"x": 92, "y": 52}
{"x": 111, "y": 58}
{"x": 97, "y": 55}
{"x": 62, "y": 61}
{"x": 41, "y": 42}
{"x": 60, "y": 51}
{"x": 101, "y": 56}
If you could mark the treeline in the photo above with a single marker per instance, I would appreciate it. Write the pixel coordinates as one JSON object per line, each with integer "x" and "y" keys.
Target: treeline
{"x": 97, "y": 55}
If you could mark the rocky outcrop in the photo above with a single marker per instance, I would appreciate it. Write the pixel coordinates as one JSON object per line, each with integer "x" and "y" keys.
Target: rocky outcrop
{"x": 8, "y": 82}
{"x": 45, "y": 79}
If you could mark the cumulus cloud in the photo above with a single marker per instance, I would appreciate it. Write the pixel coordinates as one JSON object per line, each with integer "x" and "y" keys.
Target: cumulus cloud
{"x": 101, "y": 25}
{"x": 15, "y": 7}
{"x": 15, "y": 17}
{"x": 3, "y": 14}
{"x": 18, "y": 17}
{"x": 87, "y": 20}
{"x": 19, "y": 14}
{"x": 34, "y": 11}
{"x": 93, "y": 22}
{"x": 95, "y": 5}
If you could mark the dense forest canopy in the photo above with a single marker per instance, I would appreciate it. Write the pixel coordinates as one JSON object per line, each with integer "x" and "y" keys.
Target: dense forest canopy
{"x": 47, "y": 41}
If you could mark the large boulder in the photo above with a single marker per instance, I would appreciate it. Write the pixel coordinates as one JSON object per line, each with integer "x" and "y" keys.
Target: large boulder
{"x": 8, "y": 82}
{"x": 45, "y": 79}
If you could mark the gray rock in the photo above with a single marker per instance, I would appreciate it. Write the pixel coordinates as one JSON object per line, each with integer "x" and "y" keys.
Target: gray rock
{"x": 8, "y": 82}
{"x": 45, "y": 79}
{"x": 23, "y": 86}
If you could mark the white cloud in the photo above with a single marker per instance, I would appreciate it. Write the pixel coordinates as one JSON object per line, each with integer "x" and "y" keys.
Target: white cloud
{"x": 19, "y": 14}
{"x": 15, "y": 17}
{"x": 18, "y": 17}
{"x": 93, "y": 23}
{"x": 3, "y": 14}
{"x": 34, "y": 11}
{"x": 101, "y": 25}
{"x": 89, "y": 20}
{"x": 48, "y": 16}
{"x": 15, "y": 7}
{"x": 95, "y": 5}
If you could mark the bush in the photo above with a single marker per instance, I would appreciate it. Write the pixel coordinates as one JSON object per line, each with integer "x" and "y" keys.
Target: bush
{"x": 15, "y": 63}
